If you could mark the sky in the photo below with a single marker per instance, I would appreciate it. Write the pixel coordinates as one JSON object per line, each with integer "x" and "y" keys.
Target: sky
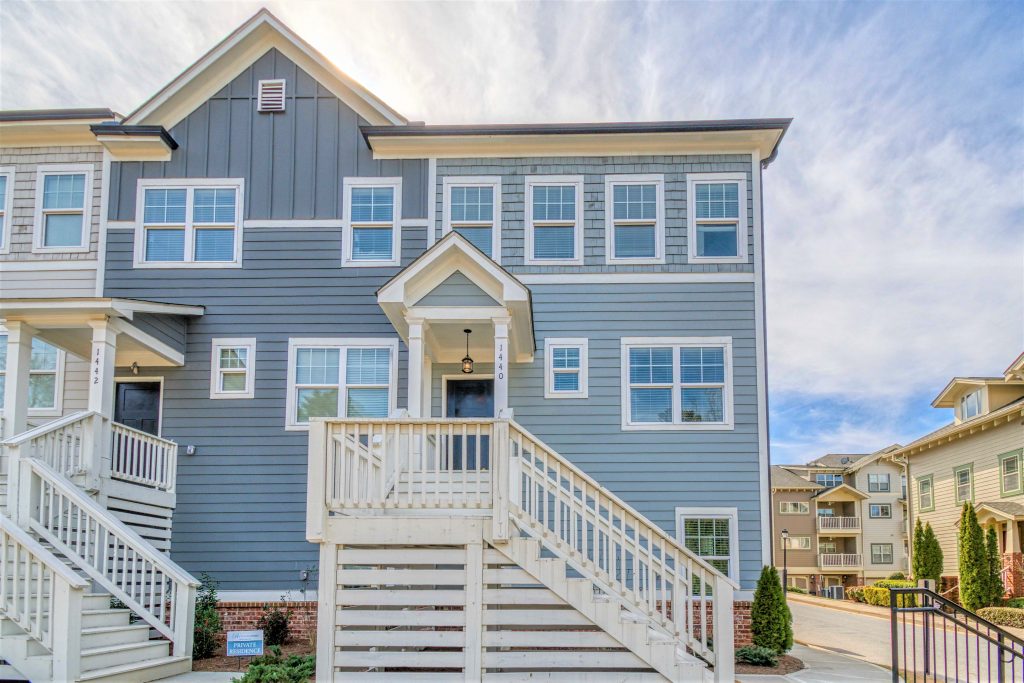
{"x": 894, "y": 214}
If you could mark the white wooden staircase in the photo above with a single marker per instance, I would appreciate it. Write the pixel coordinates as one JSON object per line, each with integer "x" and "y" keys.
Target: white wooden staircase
{"x": 83, "y": 596}
{"x": 468, "y": 549}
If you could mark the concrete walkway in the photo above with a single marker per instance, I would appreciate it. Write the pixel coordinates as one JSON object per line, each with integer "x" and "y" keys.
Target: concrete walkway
{"x": 823, "y": 666}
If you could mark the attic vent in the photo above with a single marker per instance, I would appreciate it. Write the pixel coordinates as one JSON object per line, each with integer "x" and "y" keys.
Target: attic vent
{"x": 271, "y": 97}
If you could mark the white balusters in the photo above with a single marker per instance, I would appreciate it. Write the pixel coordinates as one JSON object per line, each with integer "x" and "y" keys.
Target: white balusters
{"x": 141, "y": 458}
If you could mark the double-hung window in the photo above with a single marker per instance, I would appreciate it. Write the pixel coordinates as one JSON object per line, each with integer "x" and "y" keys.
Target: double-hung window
{"x": 6, "y": 199}
{"x": 717, "y": 217}
{"x": 878, "y": 483}
{"x": 554, "y": 220}
{"x": 45, "y": 377}
{"x": 63, "y": 207}
{"x": 926, "y": 494}
{"x": 565, "y": 368}
{"x": 711, "y": 533}
{"x": 828, "y": 479}
{"x": 1010, "y": 473}
{"x": 881, "y": 553}
{"x": 232, "y": 367}
{"x": 963, "y": 483}
{"x": 340, "y": 378}
{"x": 677, "y": 383}
{"x": 880, "y": 511}
{"x": 372, "y": 214}
{"x": 472, "y": 208}
{"x": 195, "y": 224}
{"x": 634, "y": 219}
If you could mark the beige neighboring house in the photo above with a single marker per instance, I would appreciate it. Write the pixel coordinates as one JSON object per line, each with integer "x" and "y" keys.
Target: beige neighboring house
{"x": 977, "y": 459}
{"x": 845, "y": 515}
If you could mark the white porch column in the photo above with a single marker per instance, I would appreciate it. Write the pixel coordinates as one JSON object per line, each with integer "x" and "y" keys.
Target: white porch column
{"x": 101, "y": 368}
{"x": 501, "y": 358}
{"x": 19, "y": 358}
{"x": 1012, "y": 538}
{"x": 414, "y": 394}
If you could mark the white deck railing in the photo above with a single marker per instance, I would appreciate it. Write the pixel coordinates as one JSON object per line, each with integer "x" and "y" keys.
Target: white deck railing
{"x": 63, "y": 444}
{"x": 829, "y": 523}
{"x": 839, "y": 560}
{"x": 141, "y": 458}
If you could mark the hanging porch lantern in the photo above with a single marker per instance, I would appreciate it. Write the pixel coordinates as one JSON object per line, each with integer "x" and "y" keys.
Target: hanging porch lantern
{"x": 467, "y": 362}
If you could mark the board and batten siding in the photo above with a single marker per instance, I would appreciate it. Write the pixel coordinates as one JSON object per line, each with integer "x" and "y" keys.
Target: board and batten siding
{"x": 293, "y": 162}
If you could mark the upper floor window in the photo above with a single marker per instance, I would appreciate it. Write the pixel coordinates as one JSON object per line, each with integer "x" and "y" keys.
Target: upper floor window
{"x": 45, "y": 377}
{"x": 6, "y": 199}
{"x": 963, "y": 482}
{"x": 717, "y": 217}
{"x": 787, "y": 507}
{"x": 970, "y": 405}
{"x": 903, "y": 486}
{"x": 828, "y": 479}
{"x": 63, "y": 207}
{"x": 194, "y": 225}
{"x": 1010, "y": 473}
{"x": 472, "y": 208}
{"x": 372, "y": 222}
{"x": 878, "y": 483}
{"x": 566, "y": 368}
{"x": 926, "y": 494}
{"x": 880, "y": 511}
{"x": 677, "y": 383}
{"x": 796, "y": 543}
{"x": 881, "y": 553}
{"x": 634, "y": 219}
{"x": 554, "y": 220}
{"x": 231, "y": 368}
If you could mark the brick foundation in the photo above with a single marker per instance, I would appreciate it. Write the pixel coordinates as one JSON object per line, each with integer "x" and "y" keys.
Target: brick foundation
{"x": 243, "y": 616}
{"x": 1013, "y": 574}
{"x": 741, "y": 612}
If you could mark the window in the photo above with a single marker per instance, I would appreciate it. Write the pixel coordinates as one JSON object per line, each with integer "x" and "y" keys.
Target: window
{"x": 710, "y": 533}
{"x": 634, "y": 219}
{"x": 717, "y": 217}
{"x": 926, "y": 493}
{"x": 970, "y": 405}
{"x": 45, "y": 378}
{"x": 880, "y": 511}
{"x": 566, "y": 368}
{"x": 340, "y": 378}
{"x": 794, "y": 508}
{"x": 1009, "y": 472}
{"x": 881, "y": 553}
{"x": 827, "y": 547}
{"x": 554, "y": 220}
{"x": 826, "y": 512}
{"x": 878, "y": 483}
{"x": 963, "y": 482}
{"x": 796, "y": 543}
{"x": 63, "y": 207}
{"x": 197, "y": 225}
{"x": 903, "y": 486}
{"x": 472, "y": 208}
{"x": 372, "y": 216}
{"x": 828, "y": 479}
{"x": 232, "y": 368}
{"x": 6, "y": 201}
{"x": 677, "y": 383}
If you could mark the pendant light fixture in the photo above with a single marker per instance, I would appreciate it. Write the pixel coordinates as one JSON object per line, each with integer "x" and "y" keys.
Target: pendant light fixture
{"x": 467, "y": 362}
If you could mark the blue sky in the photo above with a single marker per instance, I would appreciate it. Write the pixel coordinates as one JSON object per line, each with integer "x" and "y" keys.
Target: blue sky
{"x": 894, "y": 214}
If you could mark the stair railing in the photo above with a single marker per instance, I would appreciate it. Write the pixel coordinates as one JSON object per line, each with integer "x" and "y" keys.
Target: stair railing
{"x": 140, "y": 458}
{"x": 63, "y": 444}
{"x": 43, "y": 597}
{"x": 111, "y": 554}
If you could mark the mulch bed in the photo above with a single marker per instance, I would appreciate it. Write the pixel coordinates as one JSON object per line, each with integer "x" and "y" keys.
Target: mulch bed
{"x": 787, "y": 665}
{"x": 220, "y": 662}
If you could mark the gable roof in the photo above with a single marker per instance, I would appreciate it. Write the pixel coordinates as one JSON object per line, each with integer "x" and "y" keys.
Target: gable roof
{"x": 842, "y": 488}
{"x": 874, "y": 457}
{"x": 1007, "y": 413}
{"x": 837, "y": 460}
{"x": 782, "y": 478}
{"x": 234, "y": 54}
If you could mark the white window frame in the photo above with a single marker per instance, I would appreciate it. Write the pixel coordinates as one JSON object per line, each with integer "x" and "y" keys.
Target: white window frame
{"x": 581, "y": 343}
{"x": 832, "y": 475}
{"x": 803, "y": 507}
{"x": 343, "y": 343}
{"x": 493, "y": 181}
{"x": 610, "y": 181}
{"x": 347, "y": 185}
{"x": 247, "y": 343}
{"x": 831, "y": 547}
{"x": 534, "y": 181}
{"x": 878, "y": 489}
{"x": 732, "y": 514}
{"x": 880, "y": 506}
{"x": 676, "y": 343}
{"x": 189, "y": 185}
{"x": 38, "y": 229}
{"x": 58, "y": 383}
{"x": 6, "y": 211}
{"x": 692, "y": 180}
{"x": 892, "y": 553}
{"x": 789, "y": 543}
{"x": 963, "y": 404}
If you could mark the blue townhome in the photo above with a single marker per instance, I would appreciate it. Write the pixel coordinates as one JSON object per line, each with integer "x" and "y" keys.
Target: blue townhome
{"x": 490, "y": 399}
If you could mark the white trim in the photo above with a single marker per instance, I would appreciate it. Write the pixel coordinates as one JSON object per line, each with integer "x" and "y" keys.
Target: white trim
{"x": 8, "y": 172}
{"x": 658, "y": 180}
{"x": 632, "y": 278}
{"x": 12, "y": 266}
{"x": 295, "y": 223}
{"x": 581, "y": 343}
{"x": 676, "y": 343}
{"x": 576, "y": 181}
{"x": 43, "y": 170}
{"x": 492, "y": 181}
{"x": 460, "y": 378}
{"x": 804, "y": 503}
{"x": 189, "y": 185}
{"x": 347, "y": 184}
{"x": 760, "y": 355}
{"x": 58, "y": 383}
{"x": 121, "y": 225}
{"x": 247, "y": 343}
{"x": 294, "y": 343}
{"x": 413, "y": 222}
{"x": 128, "y": 379}
{"x": 101, "y": 242}
{"x": 431, "y": 202}
{"x": 692, "y": 179}
{"x": 730, "y": 513}
{"x": 289, "y": 595}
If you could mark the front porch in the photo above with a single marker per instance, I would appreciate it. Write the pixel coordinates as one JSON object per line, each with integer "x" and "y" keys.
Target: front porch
{"x": 1007, "y": 518}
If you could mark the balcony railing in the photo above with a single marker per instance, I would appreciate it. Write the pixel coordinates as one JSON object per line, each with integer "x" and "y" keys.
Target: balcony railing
{"x": 834, "y": 560}
{"x": 830, "y": 523}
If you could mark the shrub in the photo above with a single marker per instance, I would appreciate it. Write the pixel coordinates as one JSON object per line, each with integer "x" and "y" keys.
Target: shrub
{"x": 897, "y": 576}
{"x": 1015, "y": 602}
{"x": 273, "y": 668}
{"x": 207, "y": 625}
{"x": 932, "y": 560}
{"x": 757, "y": 656}
{"x": 879, "y": 596}
{"x": 1003, "y": 616}
{"x": 855, "y": 593}
{"x": 770, "y": 619}
{"x": 995, "y": 568}
{"x": 895, "y": 583}
{"x": 275, "y": 624}
{"x": 975, "y": 583}
{"x": 796, "y": 589}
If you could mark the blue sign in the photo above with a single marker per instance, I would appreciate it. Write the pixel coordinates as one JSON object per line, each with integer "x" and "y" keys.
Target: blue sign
{"x": 245, "y": 643}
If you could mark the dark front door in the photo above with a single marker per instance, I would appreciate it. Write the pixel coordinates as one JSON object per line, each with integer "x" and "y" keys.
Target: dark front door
{"x": 137, "y": 405}
{"x": 468, "y": 398}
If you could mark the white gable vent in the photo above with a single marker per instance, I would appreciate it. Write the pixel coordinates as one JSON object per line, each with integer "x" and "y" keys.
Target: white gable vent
{"x": 271, "y": 97}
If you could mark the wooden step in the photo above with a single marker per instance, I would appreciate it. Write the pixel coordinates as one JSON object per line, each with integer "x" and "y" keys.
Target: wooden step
{"x": 139, "y": 672}
{"x": 93, "y": 618}
{"x": 126, "y": 653}
{"x": 106, "y": 636}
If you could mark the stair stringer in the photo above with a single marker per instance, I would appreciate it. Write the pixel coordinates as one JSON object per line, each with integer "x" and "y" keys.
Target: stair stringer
{"x": 642, "y": 637}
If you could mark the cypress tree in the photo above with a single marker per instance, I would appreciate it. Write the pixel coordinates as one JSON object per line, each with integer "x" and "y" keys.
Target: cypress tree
{"x": 975, "y": 587}
{"x": 995, "y": 566}
{"x": 918, "y": 567}
{"x": 770, "y": 618}
{"x": 932, "y": 558}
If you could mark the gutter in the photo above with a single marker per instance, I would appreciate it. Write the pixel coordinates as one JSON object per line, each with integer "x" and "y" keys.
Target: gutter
{"x": 136, "y": 130}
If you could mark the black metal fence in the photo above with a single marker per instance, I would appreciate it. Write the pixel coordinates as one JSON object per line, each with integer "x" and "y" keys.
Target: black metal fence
{"x": 935, "y": 639}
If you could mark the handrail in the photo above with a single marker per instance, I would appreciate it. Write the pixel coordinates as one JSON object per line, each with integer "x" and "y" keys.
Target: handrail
{"x": 51, "y": 561}
{"x": 142, "y": 458}
{"x": 48, "y": 427}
